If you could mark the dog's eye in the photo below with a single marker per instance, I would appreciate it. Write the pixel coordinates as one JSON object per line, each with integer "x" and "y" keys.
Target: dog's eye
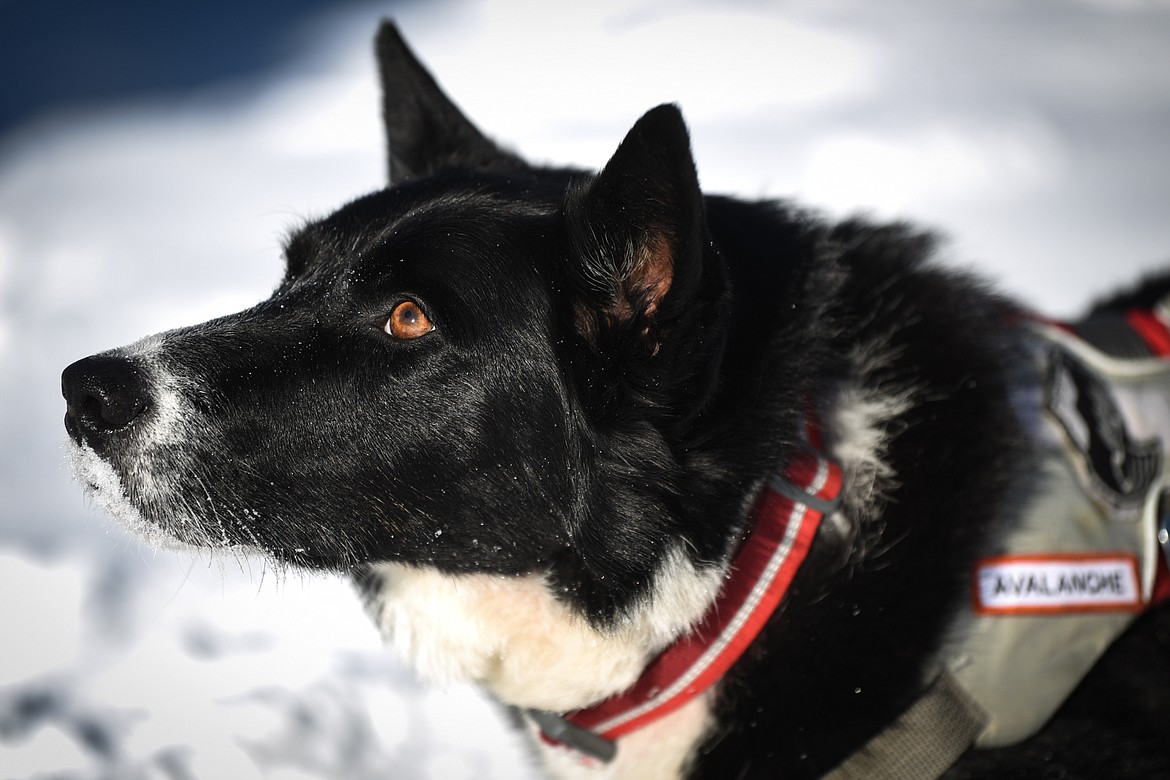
{"x": 407, "y": 321}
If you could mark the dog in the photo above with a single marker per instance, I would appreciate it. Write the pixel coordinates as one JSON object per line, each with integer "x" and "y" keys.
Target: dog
{"x": 694, "y": 486}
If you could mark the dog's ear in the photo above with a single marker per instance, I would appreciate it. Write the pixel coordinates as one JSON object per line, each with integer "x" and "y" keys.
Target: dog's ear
{"x": 425, "y": 131}
{"x": 645, "y": 277}
{"x": 634, "y": 227}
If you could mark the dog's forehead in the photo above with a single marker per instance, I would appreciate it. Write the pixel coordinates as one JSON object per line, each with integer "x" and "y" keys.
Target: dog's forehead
{"x": 428, "y": 220}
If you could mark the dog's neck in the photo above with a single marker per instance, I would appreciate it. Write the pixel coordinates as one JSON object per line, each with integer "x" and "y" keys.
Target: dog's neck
{"x": 786, "y": 518}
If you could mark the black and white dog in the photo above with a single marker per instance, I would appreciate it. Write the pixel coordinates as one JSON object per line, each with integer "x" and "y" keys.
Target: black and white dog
{"x": 698, "y": 487}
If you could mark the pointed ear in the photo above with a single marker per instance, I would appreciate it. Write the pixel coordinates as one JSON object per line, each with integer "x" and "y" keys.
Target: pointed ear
{"x": 425, "y": 131}
{"x": 637, "y": 233}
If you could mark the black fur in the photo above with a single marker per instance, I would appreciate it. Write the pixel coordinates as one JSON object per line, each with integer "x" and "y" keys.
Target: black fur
{"x": 618, "y": 362}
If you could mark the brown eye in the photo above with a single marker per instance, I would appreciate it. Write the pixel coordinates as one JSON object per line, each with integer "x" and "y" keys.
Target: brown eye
{"x": 407, "y": 321}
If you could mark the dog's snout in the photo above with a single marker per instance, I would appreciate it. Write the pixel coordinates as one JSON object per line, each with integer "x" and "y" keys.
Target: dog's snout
{"x": 103, "y": 394}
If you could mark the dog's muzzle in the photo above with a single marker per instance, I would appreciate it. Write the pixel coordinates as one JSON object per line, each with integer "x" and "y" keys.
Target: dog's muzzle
{"x": 104, "y": 395}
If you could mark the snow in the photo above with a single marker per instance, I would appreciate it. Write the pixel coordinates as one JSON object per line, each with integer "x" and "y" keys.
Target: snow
{"x": 222, "y": 669}
{"x": 1035, "y": 134}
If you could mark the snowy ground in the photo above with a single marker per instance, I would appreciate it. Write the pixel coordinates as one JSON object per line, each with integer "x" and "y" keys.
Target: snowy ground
{"x": 1036, "y": 134}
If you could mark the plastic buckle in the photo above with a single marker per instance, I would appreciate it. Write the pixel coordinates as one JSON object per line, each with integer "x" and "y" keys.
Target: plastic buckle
{"x": 557, "y": 729}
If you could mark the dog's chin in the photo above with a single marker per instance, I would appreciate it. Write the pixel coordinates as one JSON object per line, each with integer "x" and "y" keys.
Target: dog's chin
{"x": 106, "y": 487}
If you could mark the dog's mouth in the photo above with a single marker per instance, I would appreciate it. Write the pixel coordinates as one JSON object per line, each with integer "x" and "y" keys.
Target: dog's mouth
{"x": 109, "y": 490}
{"x": 165, "y": 483}
{"x": 125, "y": 422}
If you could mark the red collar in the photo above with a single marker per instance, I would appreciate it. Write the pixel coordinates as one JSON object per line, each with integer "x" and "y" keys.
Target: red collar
{"x": 787, "y": 515}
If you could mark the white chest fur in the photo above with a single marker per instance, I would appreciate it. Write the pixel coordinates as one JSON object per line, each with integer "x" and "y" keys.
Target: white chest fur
{"x": 511, "y": 635}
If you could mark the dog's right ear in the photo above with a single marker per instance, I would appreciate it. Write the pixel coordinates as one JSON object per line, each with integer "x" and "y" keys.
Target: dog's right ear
{"x": 425, "y": 131}
{"x": 648, "y": 287}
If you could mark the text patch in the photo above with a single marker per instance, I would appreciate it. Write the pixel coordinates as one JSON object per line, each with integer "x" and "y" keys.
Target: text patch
{"x": 1043, "y": 584}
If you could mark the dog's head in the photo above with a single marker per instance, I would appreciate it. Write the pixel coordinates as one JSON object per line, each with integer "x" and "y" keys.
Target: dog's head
{"x": 487, "y": 366}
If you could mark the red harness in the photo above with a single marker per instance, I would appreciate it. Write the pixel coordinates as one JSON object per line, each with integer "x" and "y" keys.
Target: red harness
{"x": 786, "y": 518}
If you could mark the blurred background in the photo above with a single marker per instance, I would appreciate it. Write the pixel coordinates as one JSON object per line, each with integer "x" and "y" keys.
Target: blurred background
{"x": 152, "y": 156}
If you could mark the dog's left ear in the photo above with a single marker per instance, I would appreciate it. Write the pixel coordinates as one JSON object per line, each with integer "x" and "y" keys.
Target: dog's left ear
{"x": 647, "y": 283}
{"x": 426, "y": 132}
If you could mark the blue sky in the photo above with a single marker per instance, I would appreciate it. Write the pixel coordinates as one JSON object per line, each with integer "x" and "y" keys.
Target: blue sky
{"x": 70, "y": 54}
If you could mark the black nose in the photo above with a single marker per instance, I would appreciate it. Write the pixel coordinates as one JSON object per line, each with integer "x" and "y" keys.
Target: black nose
{"x": 103, "y": 394}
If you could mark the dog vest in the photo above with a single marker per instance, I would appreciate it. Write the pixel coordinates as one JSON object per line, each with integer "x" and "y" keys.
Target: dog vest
{"x": 1087, "y": 554}
{"x": 1084, "y": 559}
{"x": 1059, "y": 586}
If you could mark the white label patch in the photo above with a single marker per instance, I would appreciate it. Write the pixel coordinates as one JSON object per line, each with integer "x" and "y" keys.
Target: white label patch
{"x": 1023, "y": 585}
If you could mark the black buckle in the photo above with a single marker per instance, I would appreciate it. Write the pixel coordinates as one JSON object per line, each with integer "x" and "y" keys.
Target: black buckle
{"x": 580, "y": 739}
{"x": 798, "y": 495}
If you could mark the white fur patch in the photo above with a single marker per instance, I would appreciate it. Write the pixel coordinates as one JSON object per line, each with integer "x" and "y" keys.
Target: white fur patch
{"x": 857, "y": 436}
{"x": 104, "y": 486}
{"x": 170, "y": 413}
{"x": 511, "y": 635}
{"x": 858, "y": 441}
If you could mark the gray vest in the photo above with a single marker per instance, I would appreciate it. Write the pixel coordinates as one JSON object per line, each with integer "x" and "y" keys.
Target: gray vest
{"x": 1080, "y": 564}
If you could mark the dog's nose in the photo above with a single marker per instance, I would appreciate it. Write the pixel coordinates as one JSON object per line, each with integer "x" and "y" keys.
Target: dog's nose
{"x": 103, "y": 394}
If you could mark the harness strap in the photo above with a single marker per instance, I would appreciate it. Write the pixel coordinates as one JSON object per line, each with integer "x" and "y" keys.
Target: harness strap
{"x": 922, "y": 743}
{"x": 785, "y": 522}
{"x": 1120, "y": 334}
